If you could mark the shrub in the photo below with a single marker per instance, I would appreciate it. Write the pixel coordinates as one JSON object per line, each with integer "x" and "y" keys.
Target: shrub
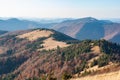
{"x": 66, "y": 76}
{"x": 95, "y": 62}
{"x": 103, "y": 60}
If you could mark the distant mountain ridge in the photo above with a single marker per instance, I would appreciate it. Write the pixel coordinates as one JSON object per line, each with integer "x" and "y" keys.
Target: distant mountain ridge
{"x": 14, "y": 24}
{"x": 3, "y": 32}
{"x": 82, "y": 28}
{"x": 90, "y": 28}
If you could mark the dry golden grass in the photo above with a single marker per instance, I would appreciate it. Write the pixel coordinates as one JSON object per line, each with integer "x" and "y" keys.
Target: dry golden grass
{"x": 50, "y": 43}
{"x": 109, "y": 72}
{"x": 96, "y": 49}
{"x": 106, "y": 76}
{"x": 34, "y": 35}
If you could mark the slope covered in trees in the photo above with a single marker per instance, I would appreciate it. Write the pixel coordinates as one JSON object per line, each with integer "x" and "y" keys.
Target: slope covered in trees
{"x": 15, "y": 51}
{"x": 21, "y": 59}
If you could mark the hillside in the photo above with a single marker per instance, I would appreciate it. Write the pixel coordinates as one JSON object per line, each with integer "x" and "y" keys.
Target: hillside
{"x": 34, "y": 38}
{"x": 46, "y": 54}
{"x": 17, "y": 47}
{"x": 90, "y": 28}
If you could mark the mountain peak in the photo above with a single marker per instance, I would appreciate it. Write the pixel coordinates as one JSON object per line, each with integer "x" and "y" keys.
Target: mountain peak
{"x": 13, "y": 19}
{"x": 87, "y": 19}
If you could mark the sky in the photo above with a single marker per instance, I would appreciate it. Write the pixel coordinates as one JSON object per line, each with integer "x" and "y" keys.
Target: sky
{"x": 60, "y": 8}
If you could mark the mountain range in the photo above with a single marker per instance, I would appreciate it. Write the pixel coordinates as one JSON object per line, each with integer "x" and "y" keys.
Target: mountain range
{"x": 14, "y": 24}
{"x": 90, "y": 28}
{"x": 83, "y": 28}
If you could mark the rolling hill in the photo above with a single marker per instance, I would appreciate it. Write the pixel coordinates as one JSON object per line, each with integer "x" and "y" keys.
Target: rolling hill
{"x": 90, "y": 28}
{"x": 19, "y": 46}
{"x": 45, "y": 54}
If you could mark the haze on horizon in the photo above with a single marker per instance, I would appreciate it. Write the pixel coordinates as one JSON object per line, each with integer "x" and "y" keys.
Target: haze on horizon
{"x": 60, "y": 8}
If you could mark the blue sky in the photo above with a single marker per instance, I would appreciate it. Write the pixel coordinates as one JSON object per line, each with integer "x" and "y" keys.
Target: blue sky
{"x": 60, "y": 8}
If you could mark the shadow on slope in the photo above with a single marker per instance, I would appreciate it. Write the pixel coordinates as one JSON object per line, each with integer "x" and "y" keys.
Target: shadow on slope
{"x": 93, "y": 30}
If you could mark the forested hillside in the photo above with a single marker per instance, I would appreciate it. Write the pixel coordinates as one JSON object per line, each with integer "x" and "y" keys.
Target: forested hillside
{"x": 24, "y": 57}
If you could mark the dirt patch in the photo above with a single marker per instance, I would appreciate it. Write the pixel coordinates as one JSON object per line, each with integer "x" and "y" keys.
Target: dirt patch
{"x": 34, "y": 35}
{"x": 2, "y": 50}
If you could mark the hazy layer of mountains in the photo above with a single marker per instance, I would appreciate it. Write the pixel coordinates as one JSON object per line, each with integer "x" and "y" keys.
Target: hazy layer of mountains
{"x": 2, "y": 32}
{"x": 90, "y": 28}
{"x": 83, "y": 28}
{"x": 14, "y": 24}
